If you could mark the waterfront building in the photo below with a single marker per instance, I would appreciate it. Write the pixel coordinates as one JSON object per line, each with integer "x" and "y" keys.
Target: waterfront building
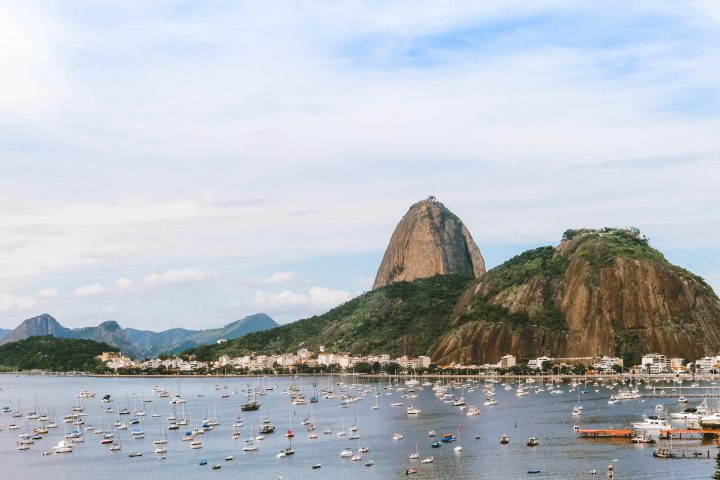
{"x": 655, "y": 363}
{"x": 507, "y": 361}
{"x": 606, "y": 364}
{"x": 536, "y": 363}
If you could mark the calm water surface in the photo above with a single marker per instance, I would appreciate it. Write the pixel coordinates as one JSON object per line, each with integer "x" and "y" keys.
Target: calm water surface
{"x": 560, "y": 454}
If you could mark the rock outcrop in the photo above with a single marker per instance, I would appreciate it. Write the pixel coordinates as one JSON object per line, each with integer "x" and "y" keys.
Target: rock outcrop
{"x": 598, "y": 293}
{"x": 429, "y": 240}
{"x": 35, "y": 327}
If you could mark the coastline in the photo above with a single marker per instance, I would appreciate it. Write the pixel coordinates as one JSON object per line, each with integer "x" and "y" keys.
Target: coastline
{"x": 552, "y": 377}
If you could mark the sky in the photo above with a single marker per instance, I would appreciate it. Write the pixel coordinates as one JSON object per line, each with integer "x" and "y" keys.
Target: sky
{"x": 187, "y": 163}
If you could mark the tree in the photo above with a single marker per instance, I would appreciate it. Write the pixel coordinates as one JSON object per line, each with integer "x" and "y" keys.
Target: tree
{"x": 393, "y": 368}
{"x": 546, "y": 366}
{"x": 363, "y": 367}
{"x": 716, "y": 475}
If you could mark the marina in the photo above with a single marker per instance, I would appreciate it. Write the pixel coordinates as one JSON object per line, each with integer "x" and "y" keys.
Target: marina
{"x": 194, "y": 425}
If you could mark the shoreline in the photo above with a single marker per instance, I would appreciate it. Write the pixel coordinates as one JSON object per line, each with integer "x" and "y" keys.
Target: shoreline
{"x": 499, "y": 378}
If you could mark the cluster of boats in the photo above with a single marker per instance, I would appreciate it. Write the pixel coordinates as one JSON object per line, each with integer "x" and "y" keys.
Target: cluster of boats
{"x": 117, "y": 424}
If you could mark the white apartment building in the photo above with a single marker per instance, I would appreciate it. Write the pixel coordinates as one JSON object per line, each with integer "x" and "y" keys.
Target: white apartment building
{"x": 606, "y": 364}
{"x": 536, "y": 363}
{"x": 705, "y": 364}
{"x": 655, "y": 363}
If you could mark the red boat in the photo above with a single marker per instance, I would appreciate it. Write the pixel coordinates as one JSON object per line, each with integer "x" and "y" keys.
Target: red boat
{"x": 290, "y": 434}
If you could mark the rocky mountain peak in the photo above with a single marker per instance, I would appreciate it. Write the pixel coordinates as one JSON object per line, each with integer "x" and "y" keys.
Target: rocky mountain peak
{"x": 600, "y": 292}
{"x": 429, "y": 240}
{"x": 36, "y": 326}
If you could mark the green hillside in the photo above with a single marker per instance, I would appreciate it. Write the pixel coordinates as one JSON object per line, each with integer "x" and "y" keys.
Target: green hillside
{"x": 404, "y": 318}
{"x": 53, "y": 354}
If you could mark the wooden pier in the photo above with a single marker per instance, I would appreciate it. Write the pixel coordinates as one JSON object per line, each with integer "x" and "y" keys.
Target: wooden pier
{"x": 679, "y": 432}
{"x": 682, "y": 394}
{"x": 688, "y": 454}
{"x": 605, "y": 433}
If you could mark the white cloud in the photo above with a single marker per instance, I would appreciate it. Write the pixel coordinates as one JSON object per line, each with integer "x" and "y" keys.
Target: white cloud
{"x": 123, "y": 282}
{"x": 282, "y": 277}
{"x": 530, "y": 102}
{"x": 89, "y": 290}
{"x": 110, "y": 253}
{"x": 47, "y": 293}
{"x": 318, "y": 299}
{"x": 10, "y": 302}
{"x": 174, "y": 276}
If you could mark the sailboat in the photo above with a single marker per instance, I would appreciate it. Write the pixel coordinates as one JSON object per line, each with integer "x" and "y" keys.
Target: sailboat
{"x": 415, "y": 455}
{"x": 458, "y": 447}
{"x": 162, "y": 440}
{"x": 250, "y": 442}
{"x": 577, "y": 410}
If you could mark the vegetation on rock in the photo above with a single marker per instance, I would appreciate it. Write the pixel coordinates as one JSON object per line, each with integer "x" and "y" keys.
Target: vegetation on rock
{"x": 401, "y": 318}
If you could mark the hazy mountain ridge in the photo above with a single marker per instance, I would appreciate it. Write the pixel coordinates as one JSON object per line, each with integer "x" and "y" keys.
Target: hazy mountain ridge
{"x": 178, "y": 339}
{"x": 4, "y": 332}
{"x": 138, "y": 343}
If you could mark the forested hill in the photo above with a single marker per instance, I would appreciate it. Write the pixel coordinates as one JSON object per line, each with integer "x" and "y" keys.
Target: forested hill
{"x": 403, "y": 318}
{"x": 53, "y": 354}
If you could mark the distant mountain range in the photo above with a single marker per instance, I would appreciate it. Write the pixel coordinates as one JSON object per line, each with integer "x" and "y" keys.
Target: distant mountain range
{"x": 138, "y": 343}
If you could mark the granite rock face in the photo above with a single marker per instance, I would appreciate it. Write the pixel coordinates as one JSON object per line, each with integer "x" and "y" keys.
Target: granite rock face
{"x": 591, "y": 296}
{"x": 429, "y": 240}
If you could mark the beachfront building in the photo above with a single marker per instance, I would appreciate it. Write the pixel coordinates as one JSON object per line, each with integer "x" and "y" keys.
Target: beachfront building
{"x": 677, "y": 365}
{"x": 507, "y": 361}
{"x": 606, "y": 364}
{"x": 536, "y": 363}
{"x": 707, "y": 364}
{"x": 423, "y": 361}
{"x": 655, "y": 363}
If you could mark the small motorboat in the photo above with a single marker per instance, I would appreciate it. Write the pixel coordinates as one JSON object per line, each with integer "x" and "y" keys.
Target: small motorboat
{"x": 216, "y": 466}
{"x": 504, "y": 439}
{"x": 533, "y": 442}
{"x": 411, "y": 470}
{"x": 427, "y": 460}
{"x": 436, "y": 445}
{"x": 643, "y": 439}
{"x": 229, "y": 458}
{"x": 317, "y": 466}
{"x": 202, "y": 462}
{"x": 369, "y": 463}
{"x": 533, "y": 471}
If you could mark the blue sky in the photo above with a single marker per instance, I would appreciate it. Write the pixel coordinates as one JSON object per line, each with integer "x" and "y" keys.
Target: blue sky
{"x": 181, "y": 163}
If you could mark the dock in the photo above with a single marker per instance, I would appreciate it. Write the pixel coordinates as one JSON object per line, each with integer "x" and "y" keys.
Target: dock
{"x": 682, "y": 394}
{"x": 605, "y": 433}
{"x": 679, "y": 432}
